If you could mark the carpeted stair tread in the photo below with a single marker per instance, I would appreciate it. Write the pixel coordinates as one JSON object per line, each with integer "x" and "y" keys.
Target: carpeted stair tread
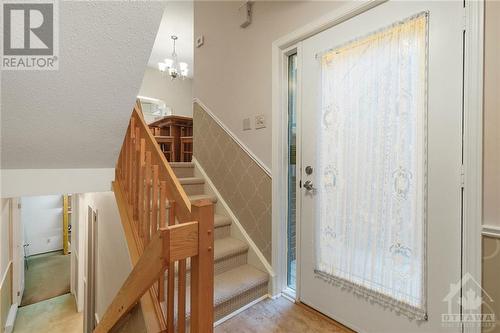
{"x": 227, "y": 247}
{"x": 237, "y": 281}
{"x": 191, "y": 180}
{"x": 197, "y": 197}
{"x": 223, "y": 248}
{"x": 221, "y": 221}
{"x": 181, "y": 164}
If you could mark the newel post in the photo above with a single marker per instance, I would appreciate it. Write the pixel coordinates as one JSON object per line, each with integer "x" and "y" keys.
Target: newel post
{"x": 202, "y": 269}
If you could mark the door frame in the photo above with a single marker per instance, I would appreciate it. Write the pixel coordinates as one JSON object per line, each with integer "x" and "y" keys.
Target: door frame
{"x": 472, "y": 147}
{"x": 17, "y": 247}
{"x": 90, "y": 318}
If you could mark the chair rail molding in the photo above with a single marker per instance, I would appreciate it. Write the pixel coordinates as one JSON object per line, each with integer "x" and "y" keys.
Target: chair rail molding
{"x": 233, "y": 136}
{"x": 491, "y": 231}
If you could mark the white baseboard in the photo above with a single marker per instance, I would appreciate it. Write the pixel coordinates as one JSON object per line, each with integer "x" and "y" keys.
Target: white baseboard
{"x": 11, "y": 318}
{"x": 253, "y": 247}
{"x": 240, "y": 310}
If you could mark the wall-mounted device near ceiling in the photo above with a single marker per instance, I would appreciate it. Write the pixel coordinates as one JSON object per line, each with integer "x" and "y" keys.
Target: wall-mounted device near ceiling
{"x": 245, "y": 13}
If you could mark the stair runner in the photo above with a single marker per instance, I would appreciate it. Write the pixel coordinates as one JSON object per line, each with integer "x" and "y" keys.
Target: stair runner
{"x": 236, "y": 282}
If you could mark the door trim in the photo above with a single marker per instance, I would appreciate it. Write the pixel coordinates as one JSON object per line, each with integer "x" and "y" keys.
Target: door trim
{"x": 473, "y": 142}
{"x": 473, "y": 118}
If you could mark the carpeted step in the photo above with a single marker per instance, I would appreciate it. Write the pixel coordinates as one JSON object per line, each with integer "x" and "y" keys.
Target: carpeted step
{"x": 193, "y": 185}
{"x": 232, "y": 290}
{"x": 197, "y": 197}
{"x": 183, "y": 169}
{"x": 229, "y": 253}
{"x": 222, "y": 226}
{"x": 238, "y": 287}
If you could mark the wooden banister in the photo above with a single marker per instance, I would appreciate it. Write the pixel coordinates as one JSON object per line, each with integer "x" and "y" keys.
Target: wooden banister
{"x": 171, "y": 243}
{"x": 163, "y": 229}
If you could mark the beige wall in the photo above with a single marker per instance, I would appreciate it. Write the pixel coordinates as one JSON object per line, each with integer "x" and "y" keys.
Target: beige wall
{"x": 177, "y": 94}
{"x": 491, "y": 199}
{"x": 491, "y": 160}
{"x": 113, "y": 260}
{"x": 233, "y": 68}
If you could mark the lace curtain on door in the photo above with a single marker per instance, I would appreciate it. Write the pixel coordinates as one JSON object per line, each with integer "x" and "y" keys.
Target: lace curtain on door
{"x": 372, "y": 156}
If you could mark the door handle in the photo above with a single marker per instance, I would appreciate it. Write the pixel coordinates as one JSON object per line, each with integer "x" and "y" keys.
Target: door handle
{"x": 308, "y": 185}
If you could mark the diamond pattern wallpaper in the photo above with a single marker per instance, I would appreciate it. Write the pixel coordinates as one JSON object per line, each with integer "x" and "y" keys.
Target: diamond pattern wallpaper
{"x": 240, "y": 180}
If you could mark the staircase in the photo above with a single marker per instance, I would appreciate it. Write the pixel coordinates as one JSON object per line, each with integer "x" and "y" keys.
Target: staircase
{"x": 236, "y": 283}
{"x": 188, "y": 271}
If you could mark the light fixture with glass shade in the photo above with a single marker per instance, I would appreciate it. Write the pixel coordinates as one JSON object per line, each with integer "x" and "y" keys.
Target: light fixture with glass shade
{"x": 173, "y": 67}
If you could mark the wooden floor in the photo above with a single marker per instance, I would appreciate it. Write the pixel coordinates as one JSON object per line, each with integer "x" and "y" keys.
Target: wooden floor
{"x": 280, "y": 316}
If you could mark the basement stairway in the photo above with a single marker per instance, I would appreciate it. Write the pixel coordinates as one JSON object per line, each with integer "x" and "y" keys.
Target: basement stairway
{"x": 237, "y": 283}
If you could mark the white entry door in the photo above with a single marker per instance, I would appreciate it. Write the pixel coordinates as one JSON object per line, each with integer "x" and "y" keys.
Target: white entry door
{"x": 381, "y": 148}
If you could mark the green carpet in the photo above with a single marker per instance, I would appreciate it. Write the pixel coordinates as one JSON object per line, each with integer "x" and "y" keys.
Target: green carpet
{"x": 47, "y": 276}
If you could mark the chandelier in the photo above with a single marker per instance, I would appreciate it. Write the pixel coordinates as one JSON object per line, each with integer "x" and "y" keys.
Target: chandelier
{"x": 173, "y": 67}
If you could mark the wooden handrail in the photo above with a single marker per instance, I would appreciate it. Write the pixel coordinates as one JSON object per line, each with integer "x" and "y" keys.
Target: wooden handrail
{"x": 166, "y": 229}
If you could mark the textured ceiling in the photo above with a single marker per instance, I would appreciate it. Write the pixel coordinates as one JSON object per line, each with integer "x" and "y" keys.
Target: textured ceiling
{"x": 76, "y": 117}
{"x": 178, "y": 19}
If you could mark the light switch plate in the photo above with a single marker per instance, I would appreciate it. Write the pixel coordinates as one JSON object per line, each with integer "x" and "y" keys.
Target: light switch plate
{"x": 260, "y": 121}
{"x": 246, "y": 124}
{"x": 200, "y": 40}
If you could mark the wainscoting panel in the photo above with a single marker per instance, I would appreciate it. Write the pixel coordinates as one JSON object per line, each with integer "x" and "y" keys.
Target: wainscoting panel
{"x": 491, "y": 284}
{"x": 243, "y": 184}
{"x": 5, "y": 295}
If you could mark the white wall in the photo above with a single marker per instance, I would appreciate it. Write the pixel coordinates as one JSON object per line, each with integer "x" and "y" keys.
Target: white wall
{"x": 28, "y": 182}
{"x": 42, "y": 218}
{"x": 233, "y": 68}
{"x": 177, "y": 94}
{"x": 113, "y": 260}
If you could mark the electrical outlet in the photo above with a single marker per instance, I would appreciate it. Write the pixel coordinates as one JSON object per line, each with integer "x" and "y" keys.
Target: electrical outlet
{"x": 246, "y": 124}
{"x": 200, "y": 40}
{"x": 260, "y": 121}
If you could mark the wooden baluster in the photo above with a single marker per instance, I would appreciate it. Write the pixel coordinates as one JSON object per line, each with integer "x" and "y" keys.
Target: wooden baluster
{"x": 171, "y": 275}
{"x": 131, "y": 160}
{"x": 124, "y": 164}
{"x": 147, "y": 198}
{"x": 135, "y": 175}
{"x": 202, "y": 269}
{"x": 181, "y": 297}
{"x": 155, "y": 226}
{"x": 171, "y": 267}
{"x": 155, "y": 193}
{"x": 140, "y": 187}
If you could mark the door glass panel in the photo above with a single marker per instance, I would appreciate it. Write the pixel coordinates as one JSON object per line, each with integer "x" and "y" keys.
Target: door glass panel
{"x": 292, "y": 172}
{"x": 370, "y": 234}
